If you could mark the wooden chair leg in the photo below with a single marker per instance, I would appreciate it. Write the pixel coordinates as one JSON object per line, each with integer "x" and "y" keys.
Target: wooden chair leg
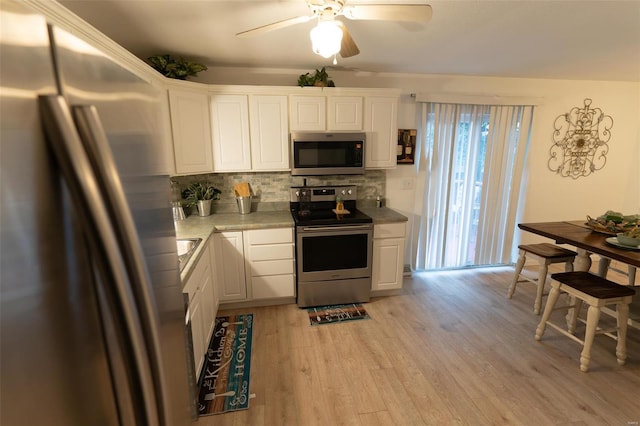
{"x": 542, "y": 279}
{"x": 603, "y": 266}
{"x": 632, "y": 275}
{"x": 605, "y": 263}
{"x": 516, "y": 275}
{"x": 593, "y": 316}
{"x": 622, "y": 310}
{"x": 551, "y": 302}
{"x": 572, "y": 320}
{"x": 572, "y": 313}
{"x": 568, "y": 266}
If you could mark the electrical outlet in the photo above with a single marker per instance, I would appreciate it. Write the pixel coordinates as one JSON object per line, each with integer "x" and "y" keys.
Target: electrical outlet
{"x": 407, "y": 183}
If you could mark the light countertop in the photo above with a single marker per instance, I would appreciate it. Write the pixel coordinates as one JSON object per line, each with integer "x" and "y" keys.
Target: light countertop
{"x": 195, "y": 226}
{"x": 383, "y": 215}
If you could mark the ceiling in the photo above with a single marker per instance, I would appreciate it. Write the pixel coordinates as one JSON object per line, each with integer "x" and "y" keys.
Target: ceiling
{"x": 570, "y": 39}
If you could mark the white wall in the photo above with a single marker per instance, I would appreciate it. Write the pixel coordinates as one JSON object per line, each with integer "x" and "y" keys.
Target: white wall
{"x": 548, "y": 196}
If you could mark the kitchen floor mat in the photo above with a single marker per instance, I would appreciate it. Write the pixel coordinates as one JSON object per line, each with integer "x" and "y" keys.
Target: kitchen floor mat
{"x": 224, "y": 381}
{"x": 336, "y": 313}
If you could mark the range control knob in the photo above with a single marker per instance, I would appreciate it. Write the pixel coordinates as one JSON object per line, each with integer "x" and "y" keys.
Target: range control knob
{"x": 298, "y": 194}
{"x": 344, "y": 192}
{"x": 349, "y": 191}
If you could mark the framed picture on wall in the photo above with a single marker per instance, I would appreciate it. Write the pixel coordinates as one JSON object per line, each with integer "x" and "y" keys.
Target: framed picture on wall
{"x": 406, "y": 146}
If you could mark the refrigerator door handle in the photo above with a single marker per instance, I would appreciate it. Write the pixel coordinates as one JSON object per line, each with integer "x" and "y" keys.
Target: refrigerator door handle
{"x": 97, "y": 147}
{"x": 75, "y": 166}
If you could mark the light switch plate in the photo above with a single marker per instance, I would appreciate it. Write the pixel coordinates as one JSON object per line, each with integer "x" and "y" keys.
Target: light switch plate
{"x": 407, "y": 183}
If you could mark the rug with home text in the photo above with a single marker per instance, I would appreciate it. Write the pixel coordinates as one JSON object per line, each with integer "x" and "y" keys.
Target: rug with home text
{"x": 336, "y": 313}
{"x": 224, "y": 381}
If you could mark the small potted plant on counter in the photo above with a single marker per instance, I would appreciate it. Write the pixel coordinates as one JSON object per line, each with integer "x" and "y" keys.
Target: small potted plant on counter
{"x": 200, "y": 194}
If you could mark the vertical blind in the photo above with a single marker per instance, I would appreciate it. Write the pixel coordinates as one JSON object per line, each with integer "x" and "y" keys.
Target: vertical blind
{"x": 471, "y": 159}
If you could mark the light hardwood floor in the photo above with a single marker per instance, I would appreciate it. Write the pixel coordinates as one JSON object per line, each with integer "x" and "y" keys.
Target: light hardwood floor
{"x": 450, "y": 349}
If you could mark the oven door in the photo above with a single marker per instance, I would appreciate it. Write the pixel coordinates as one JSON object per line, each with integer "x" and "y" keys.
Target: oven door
{"x": 327, "y": 253}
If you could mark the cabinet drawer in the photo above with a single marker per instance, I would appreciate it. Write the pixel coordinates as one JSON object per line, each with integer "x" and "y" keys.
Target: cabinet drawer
{"x": 273, "y": 286}
{"x": 269, "y": 236}
{"x": 198, "y": 276}
{"x": 270, "y": 252}
{"x": 271, "y": 267}
{"x": 389, "y": 230}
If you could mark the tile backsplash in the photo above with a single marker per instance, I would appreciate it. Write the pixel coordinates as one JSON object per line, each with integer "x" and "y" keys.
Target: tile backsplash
{"x": 273, "y": 187}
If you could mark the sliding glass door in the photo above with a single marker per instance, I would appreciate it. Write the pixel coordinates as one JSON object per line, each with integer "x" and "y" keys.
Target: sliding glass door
{"x": 472, "y": 160}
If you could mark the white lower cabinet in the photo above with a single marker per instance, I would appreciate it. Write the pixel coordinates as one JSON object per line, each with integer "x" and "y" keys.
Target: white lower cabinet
{"x": 197, "y": 334}
{"x": 268, "y": 262}
{"x": 202, "y": 306}
{"x": 388, "y": 256}
{"x": 230, "y": 266}
{"x": 255, "y": 264}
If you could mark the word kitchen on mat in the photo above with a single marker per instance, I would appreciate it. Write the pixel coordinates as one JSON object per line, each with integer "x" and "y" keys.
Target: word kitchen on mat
{"x": 224, "y": 383}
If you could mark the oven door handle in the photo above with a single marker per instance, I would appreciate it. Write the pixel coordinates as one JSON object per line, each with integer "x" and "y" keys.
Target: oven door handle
{"x": 335, "y": 228}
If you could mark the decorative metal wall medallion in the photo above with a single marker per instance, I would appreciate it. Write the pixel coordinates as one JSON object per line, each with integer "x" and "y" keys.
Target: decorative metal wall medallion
{"x": 580, "y": 139}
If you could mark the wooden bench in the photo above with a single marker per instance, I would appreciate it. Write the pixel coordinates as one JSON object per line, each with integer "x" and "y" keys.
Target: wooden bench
{"x": 546, "y": 254}
{"x": 597, "y": 292}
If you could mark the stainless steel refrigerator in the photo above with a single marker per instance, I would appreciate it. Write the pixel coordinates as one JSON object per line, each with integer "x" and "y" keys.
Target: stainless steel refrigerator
{"x": 92, "y": 314}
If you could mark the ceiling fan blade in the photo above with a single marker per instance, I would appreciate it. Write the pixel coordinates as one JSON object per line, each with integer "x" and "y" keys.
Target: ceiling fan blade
{"x": 276, "y": 25}
{"x": 348, "y": 47}
{"x": 389, "y": 12}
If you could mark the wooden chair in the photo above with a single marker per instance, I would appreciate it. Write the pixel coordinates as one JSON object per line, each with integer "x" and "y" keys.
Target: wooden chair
{"x": 597, "y": 292}
{"x": 546, "y": 254}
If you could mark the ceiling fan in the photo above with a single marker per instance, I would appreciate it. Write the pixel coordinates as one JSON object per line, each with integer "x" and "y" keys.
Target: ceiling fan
{"x": 330, "y": 36}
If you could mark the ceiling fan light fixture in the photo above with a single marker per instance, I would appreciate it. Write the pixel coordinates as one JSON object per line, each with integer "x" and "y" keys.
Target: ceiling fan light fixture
{"x": 326, "y": 38}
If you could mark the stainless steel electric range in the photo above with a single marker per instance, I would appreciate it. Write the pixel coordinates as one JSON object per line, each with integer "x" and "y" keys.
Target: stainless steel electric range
{"x": 333, "y": 250}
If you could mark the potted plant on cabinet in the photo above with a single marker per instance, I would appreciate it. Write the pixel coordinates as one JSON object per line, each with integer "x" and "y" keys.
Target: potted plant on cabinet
{"x": 201, "y": 194}
{"x": 320, "y": 79}
{"x": 178, "y": 68}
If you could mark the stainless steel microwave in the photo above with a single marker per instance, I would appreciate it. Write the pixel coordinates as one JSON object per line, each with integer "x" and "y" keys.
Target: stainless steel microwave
{"x": 327, "y": 153}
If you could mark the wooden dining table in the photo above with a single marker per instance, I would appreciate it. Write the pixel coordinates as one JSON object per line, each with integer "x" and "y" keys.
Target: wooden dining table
{"x": 587, "y": 242}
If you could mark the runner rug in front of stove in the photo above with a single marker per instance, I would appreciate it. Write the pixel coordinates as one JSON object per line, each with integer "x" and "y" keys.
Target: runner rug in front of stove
{"x": 224, "y": 383}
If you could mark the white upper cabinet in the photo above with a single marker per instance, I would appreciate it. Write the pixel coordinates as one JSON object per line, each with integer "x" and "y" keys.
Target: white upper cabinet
{"x": 246, "y": 128}
{"x": 269, "y": 132}
{"x": 307, "y": 113}
{"x": 191, "y": 131}
{"x": 168, "y": 164}
{"x": 344, "y": 113}
{"x": 230, "y": 130}
{"x": 381, "y": 126}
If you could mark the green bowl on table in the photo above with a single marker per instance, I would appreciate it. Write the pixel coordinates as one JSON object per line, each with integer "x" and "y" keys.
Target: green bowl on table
{"x": 627, "y": 240}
